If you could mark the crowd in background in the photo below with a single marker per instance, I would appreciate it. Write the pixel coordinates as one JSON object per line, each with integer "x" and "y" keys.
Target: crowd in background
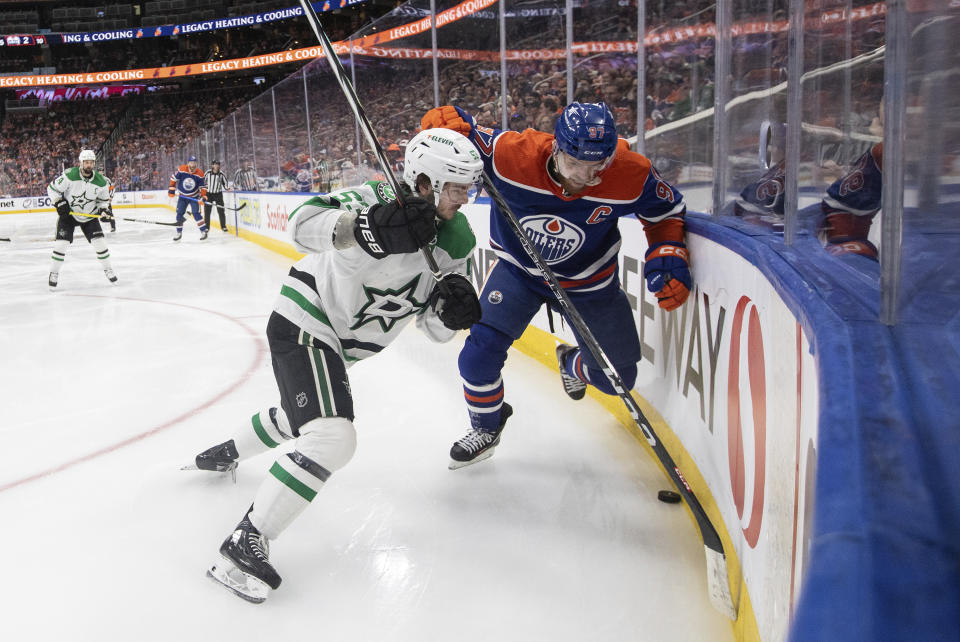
{"x": 395, "y": 93}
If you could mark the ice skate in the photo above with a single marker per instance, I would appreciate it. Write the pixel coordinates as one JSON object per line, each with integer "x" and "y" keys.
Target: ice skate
{"x": 178, "y": 236}
{"x": 52, "y": 281}
{"x": 221, "y": 458}
{"x": 111, "y": 275}
{"x": 244, "y": 564}
{"x": 478, "y": 445}
{"x": 574, "y": 387}
{"x": 203, "y": 235}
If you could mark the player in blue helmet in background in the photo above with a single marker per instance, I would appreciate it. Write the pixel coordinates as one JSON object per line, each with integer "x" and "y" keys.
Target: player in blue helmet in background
{"x": 568, "y": 190}
{"x": 188, "y": 186}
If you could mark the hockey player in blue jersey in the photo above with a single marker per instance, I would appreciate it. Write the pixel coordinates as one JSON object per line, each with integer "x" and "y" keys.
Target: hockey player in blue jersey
{"x": 568, "y": 190}
{"x": 187, "y": 183}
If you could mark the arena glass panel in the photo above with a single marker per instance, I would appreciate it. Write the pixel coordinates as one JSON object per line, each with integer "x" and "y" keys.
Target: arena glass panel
{"x": 394, "y": 82}
{"x": 244, "y": 142}
{"x": 841, "y": 90}
{"x": 757, "y": 113}
{"x": 605, "y": 60}
{"x": 536, "y": 43}
{"x": 297, "y": 167}
{"x": 333, "y": 127}
{"x": 679, "y": 94}
{"x": 264, "y": 142}
{"x": 930, "y": 165}
{"x": 219, "y": 145}
{"x": 469, "y": 62}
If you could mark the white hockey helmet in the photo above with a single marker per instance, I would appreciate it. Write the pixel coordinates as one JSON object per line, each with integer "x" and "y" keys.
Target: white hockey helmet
{"x": 87, "y": 154}
{"x": 445, "y": 156}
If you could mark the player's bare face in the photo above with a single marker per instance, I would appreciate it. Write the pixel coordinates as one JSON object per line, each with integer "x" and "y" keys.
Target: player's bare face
{"x": 578, "y": 174}
{"x": 451, "y": 198}
{"x": 191, "y": 165}
{"x": 86, "y": 168}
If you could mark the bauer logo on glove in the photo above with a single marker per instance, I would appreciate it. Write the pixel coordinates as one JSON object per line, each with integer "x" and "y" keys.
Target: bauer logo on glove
{"x": 396, "y": 229}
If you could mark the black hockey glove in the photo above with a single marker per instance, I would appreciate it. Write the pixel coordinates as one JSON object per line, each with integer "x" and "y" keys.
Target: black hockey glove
{"x": 63, "y": 208}
{"x": 396, "y": 229}
{"x": 106, "y": 215}
{"x": 459, "y": 308}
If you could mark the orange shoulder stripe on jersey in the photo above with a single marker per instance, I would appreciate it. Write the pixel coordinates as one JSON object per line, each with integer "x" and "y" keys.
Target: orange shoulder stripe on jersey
{"x": 516, "y": 154}
{"x": 625, "y": 178}
{"x": 521, "y": 157}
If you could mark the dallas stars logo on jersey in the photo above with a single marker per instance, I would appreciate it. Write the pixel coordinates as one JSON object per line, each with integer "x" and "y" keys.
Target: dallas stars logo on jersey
{"x": 388, "y": 306}
{"x": 78, "y": 202}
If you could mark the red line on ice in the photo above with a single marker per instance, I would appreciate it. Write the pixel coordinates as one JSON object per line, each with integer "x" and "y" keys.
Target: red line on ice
{"x": 258, "y": 355}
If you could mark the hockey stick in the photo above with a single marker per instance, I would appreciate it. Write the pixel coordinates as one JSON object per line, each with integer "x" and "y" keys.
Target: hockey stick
{"x": 365, "y": 125}
{"x": 226, "y": 207}
{"x": 717, "y": 579}
{"x": 3, "y": 238}
{"x": 124, "y": 218}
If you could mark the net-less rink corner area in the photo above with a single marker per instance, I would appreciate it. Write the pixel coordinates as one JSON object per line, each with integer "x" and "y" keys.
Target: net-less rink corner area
{"x": 109, "y": 389}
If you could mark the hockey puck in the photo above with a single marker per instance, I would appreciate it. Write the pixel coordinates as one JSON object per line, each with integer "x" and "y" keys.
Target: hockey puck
{"x": 669, "y": 496}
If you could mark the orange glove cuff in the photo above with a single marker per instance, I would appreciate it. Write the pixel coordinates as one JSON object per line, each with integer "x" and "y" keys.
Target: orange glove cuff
{"x": 673, "y": 294}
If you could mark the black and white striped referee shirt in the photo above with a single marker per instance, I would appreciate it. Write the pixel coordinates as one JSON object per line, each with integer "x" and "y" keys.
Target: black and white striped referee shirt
{"x": 216, "y": 181}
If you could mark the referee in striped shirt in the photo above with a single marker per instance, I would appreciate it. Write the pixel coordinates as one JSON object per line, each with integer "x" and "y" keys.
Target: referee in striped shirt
{"x": 215, "y": 182}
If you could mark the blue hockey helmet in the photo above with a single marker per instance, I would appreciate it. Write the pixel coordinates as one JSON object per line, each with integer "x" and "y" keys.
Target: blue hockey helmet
{"x": 586, "y": 131}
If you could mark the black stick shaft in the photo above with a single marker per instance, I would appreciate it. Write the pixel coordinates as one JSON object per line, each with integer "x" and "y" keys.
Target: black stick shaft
{"x": 711, "y": 538}
{"x": 361, "y": 116}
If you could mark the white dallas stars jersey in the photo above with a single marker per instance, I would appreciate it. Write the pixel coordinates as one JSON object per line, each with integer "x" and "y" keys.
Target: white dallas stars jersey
{"x": 352, "y": 301}
{"x": 87, "y": 195}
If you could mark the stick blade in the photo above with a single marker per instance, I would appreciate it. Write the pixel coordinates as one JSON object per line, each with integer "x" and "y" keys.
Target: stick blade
{"x": 717, "y": 583}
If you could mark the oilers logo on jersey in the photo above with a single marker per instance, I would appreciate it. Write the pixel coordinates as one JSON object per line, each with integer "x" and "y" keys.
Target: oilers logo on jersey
{"x": 188, "y": 185}
{"x": 555, "y": 238}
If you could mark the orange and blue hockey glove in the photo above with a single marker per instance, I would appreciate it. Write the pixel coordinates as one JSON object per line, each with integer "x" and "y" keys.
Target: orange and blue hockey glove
{"x": 667, "y": 271}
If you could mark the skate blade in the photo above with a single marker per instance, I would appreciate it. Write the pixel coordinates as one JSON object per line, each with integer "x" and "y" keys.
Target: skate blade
{"x": 454, "y": 464}
{"x": 232, "y": 470}
{"x": 244, "y": 585}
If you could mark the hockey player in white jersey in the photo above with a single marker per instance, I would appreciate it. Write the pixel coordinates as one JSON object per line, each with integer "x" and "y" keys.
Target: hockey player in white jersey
{"x": 78, "y": 191}
{"x": 362, "y": 281}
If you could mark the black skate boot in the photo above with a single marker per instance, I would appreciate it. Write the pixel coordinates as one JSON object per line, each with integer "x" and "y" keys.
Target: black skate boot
{"x": 203, "y": 235}
{"x": 222, "y": 458}
{"x": 178, "y": 236}
{"x": 53, "y": 280}
{"x": 244, "y": 567}
{"x": 574, "y": 388}
{"x": 478, "y": 445}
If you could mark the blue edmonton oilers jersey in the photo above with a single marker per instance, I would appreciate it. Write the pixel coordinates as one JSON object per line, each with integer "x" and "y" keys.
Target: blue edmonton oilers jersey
{"x": 187, "y": 183}
{"x": 577, "y": 236}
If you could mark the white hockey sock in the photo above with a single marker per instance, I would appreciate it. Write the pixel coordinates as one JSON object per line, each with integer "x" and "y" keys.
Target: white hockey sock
{"x": 59, "y": 254}
{"x": 266, "y": 430}
{"x": 103, "y": 254}
{"x": 324, "y": 446}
